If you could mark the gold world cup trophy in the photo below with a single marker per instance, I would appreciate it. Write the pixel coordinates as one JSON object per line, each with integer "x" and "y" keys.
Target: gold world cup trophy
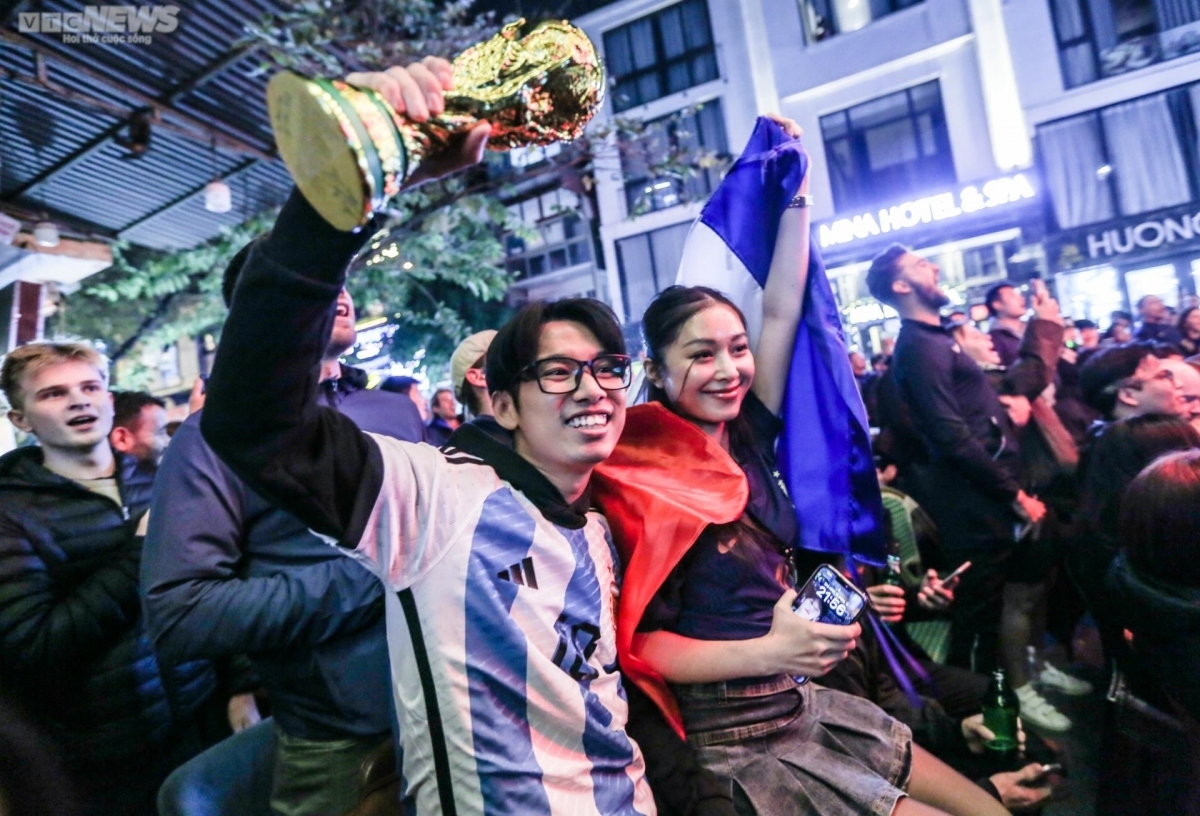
{"x": 349, "y": 151}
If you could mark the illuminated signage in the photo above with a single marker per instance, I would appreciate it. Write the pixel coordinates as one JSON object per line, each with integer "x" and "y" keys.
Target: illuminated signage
{"x": 1146, "y": 235}
{"x": 971, "y": 199}
{"x": 1173, "y": 229}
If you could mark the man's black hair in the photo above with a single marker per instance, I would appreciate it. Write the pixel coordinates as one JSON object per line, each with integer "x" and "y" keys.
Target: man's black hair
{"x": 516, "y": 344}
{"x": 883, "y": 273}
{"x": 1085, "y": 324}
{"x": 1105, "y": 369}
{"x": 993, "y": 295}
{"x": 128, "y": 405}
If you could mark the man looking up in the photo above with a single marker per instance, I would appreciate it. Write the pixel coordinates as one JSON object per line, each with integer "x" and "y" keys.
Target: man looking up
{"x": 969, "y": 485}
{"x": 1006, "y": 305}
{"x": 445, "y": 417}
{"x": 139, "y": 426}
{"x": 499, "y": 582}
{"x": 73, "y": 649}
{"x": 227, "y": 573}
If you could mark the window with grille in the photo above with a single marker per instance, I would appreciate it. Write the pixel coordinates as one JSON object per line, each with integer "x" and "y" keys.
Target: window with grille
{"x": 888, "y": 148}
{"x": 660, "y": 54}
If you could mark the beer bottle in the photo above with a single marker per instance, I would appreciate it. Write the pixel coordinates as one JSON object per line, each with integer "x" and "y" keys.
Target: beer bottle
{"x": 1000, "y": 711}
{"x": 893, "y": 576}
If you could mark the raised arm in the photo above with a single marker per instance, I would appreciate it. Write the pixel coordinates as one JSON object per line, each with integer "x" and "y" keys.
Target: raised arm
{"x": 783, "y": 297}
{"x": 261, "y": 415}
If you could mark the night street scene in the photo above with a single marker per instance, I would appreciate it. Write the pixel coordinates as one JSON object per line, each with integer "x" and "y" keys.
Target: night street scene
{"x": 600, "y": 408}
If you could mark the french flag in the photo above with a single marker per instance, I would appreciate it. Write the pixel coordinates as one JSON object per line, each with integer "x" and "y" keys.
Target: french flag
{"x": 825, "y": 449}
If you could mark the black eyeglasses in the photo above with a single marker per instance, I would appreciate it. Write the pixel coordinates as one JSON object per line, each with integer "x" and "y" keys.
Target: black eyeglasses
{"x": 562, "y": 375}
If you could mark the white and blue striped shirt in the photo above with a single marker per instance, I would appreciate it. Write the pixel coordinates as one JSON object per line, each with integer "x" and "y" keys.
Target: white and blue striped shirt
{"x": 502, "y": 642}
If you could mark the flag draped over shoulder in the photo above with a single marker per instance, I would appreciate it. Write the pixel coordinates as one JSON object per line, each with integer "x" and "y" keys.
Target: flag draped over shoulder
{"x": 825, "y": 449}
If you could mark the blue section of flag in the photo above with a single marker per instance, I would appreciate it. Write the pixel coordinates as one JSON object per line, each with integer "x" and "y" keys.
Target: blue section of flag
{"x": 509, "y": 774}
{"x": 825, "y": 450}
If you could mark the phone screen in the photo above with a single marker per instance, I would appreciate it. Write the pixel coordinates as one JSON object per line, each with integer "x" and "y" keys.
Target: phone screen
{"x": 827, "y": 597}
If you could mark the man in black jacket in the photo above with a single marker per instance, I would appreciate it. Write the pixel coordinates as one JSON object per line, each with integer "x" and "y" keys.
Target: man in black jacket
{"x": 969, "y": 484}
{"x": 73, "y": 649}
{"x": 227, "y": 573}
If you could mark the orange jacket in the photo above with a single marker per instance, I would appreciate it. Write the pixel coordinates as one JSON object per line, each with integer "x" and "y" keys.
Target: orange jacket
{"x": 663, "y": 484}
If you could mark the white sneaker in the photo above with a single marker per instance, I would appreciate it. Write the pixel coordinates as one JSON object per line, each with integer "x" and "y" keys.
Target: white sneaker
{"x": 1059, "y": 680}
{"x": 1036, "y": 711}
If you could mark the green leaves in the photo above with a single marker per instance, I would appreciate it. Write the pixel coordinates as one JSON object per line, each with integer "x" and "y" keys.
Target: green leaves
{"x": 150, "y": 299}
{"x": 334, "y": 37}
{"x": 438, "y": 266}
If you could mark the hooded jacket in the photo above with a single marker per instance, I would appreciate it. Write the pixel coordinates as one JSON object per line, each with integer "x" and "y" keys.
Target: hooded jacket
{"x": 73, "y": 648}
{"x": 1165, "y": 621}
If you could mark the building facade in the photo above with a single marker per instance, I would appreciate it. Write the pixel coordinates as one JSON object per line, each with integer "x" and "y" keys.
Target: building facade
{"x": 970, "y": 130}
{"x": 1112, "y": 95}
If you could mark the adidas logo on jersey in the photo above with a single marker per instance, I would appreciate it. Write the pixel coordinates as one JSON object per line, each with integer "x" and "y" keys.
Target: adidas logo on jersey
{"x": 521, "y": 573}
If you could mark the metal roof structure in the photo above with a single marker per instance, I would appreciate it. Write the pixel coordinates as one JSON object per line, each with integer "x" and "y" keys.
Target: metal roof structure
{"x": 66, "y": 110}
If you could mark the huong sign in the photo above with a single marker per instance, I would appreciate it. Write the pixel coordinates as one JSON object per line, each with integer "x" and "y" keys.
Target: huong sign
{"x": 1147, "y": 235}
{"x": 973, "y": 198}
{"x": 1156, "y": 232}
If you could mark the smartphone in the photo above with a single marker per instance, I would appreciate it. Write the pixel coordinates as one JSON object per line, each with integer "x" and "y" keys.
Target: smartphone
{"x": 828, "y": 597}
{"x": 1047, "y": 770}
{"x": 953, "y": 577}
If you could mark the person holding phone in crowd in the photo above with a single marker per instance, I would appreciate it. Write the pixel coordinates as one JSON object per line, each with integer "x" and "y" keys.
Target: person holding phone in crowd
{"x": 716, "y": 642}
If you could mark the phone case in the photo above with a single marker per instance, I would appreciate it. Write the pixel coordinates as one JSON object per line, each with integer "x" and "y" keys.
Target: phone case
{"x": 828, "y": 597}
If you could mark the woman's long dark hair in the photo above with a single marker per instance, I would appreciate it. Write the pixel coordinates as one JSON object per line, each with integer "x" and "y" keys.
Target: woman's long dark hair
{"x": 1160, "y": 519}
{"x": 1129, "y": 446}
{"x": 664, "y": 319}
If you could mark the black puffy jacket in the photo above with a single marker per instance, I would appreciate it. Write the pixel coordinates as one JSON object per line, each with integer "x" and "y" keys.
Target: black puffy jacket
{"x": 73, "y": 648}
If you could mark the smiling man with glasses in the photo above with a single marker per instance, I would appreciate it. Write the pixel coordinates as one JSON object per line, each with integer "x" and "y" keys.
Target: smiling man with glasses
{"x": 500, "y": 581}
{"x": 1129, "y": 381}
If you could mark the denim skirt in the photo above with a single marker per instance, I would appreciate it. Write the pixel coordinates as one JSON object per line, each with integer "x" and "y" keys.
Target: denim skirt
{"x": 798, "y": 749}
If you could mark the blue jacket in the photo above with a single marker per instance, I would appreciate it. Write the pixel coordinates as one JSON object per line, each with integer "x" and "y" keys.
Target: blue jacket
{"x": 226, "y": 573}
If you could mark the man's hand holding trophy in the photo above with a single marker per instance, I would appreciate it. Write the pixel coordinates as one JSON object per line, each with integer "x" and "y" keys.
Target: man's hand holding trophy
{"x": 352, "y": 145}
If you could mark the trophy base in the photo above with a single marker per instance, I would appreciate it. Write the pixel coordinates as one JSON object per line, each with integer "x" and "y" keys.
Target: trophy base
{"x": 340, "y": 145}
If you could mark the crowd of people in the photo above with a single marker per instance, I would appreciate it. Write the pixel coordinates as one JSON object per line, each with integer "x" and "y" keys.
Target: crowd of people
{"x": 318, "y": 601}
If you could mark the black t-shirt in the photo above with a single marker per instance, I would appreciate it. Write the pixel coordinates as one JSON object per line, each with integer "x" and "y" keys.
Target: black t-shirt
{"x": 715, "y": 595}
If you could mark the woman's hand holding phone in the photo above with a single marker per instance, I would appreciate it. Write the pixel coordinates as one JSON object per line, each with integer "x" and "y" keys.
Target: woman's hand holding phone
{"x": 801, "y": 647}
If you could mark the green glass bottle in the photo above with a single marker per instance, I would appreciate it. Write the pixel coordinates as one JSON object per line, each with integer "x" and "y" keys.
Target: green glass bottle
{"x": 1000, "y": 711}
{"x": 893, "y": 576}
